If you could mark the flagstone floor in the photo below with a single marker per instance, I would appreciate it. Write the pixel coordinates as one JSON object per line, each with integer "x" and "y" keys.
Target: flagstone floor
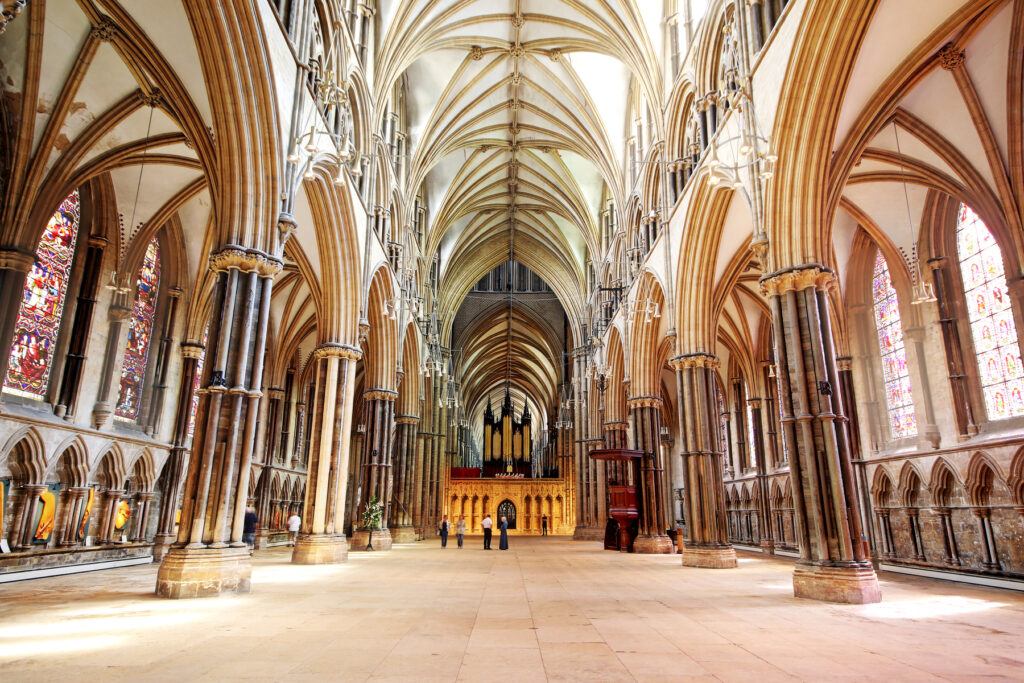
{"x": 548, "y": 609}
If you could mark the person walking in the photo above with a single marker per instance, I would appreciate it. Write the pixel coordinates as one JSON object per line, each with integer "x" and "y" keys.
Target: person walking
{"x": 487, "y": 524}
{"x": 250, "y": 525}
{"x": 294, "y": 524}
{"x": 544, "y": 525}
{"x": 442, "y": 530}
{"x": 460, "y": 529}
{"x": 503, "y": 543}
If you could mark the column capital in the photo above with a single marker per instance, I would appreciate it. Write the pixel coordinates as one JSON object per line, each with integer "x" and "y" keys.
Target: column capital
{"x": 336, "y": 350}
{"x": 407, "y": 419}
{"x": 191, "y": 349}
{"x": 380, "y": 395}
{"x": 699, "y": 359}
{"x": 17, "y": 260}
{"x": 643, "y": 402}
{"x": 844, "y": 363}
{"x": 797, "y": 279}
{"x": 234, "y": 257}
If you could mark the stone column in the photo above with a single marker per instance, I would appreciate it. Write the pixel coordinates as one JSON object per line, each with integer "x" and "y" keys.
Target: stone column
{"x": 322, "y": 536}
{"x": 378, "y": 416}
{"x": 764, "y": 512}
{"x": 707, "y": 527}
{"x": 646, "y": 417}
{"x": 927, "y": 430}
{"x": 74, "y": 502}
{"x": 144, "y": 499}
{"x": 177, "y": 460}
{"x": 209, "y": 556}
{"x": 162, "y": 364}
{"x": 271, "y": 452}
{"x": 950, "y": 554}
{"x": 14, "y": 266}
{"x": 71, "y": 378}
{"x": 833, "y": 564}
{"x": 22, "y": 540}
{"x": 402, "y": 528}
{"x": 118, "y": 312}
{"x": 110, "y": 499}
{"x": 989, "y": 558}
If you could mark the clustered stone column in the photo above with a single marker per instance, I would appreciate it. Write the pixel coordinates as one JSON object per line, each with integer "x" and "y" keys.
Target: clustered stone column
{"x": 177, "y": 460}
{"x": 75, "y": 500}
{"x": 322, "y": 535}
{"x": 379, "y": 418}
{"x": 707, "y": 530}
{"x": 209, "y": 556}
{"x": 406, "y": 461}
{"x": 645, "y": 412}
{"x": 144, "y": 500}
{"x": 22, "y": 538}
{"x": 118, "y": 312}
{"x": 833, "y": 562}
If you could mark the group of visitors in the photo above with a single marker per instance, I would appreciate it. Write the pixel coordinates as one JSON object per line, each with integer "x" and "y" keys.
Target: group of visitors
{"x": 251, "y": 524}
{"x": 444, "y": 528}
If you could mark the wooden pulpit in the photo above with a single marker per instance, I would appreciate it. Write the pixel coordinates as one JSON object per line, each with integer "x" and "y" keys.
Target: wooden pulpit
{"x": 623, "y": 511}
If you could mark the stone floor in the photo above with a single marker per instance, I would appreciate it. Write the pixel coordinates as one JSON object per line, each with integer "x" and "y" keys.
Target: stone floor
{"x": 548, "y": 609}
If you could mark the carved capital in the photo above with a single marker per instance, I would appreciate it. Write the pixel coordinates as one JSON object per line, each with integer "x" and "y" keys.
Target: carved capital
{"x": 797, "y": 279}
{"x": 192, "y": 350}
{"x": 407, "y": 419}
{"x": 379, "y": 395}
{"x": 694, "y": 360}
{"x": 245, "y": 261}
{"x": 844, "y": 363}
{"x": 643, "y": 402}
{"x": 332, "y": 350}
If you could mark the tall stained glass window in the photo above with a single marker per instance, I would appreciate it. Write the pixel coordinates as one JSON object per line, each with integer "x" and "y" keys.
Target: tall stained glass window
{"x": 898, "y": 397}
{"x": 195, "y": 385}
{"x": 42, "y": 304}
{"x": 988, "y": 309}
{"x": 140, "y": 334}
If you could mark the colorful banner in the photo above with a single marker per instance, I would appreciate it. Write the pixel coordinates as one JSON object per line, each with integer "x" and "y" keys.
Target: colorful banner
{"x": 46, "y": 513}
{"x": 82, "y": 524}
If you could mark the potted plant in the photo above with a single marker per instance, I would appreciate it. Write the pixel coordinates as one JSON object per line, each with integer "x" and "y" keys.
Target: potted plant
{"x": 372, "y": 515}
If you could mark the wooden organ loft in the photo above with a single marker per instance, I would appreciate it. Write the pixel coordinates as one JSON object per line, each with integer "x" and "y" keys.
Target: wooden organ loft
{"x": 506, "y": 441}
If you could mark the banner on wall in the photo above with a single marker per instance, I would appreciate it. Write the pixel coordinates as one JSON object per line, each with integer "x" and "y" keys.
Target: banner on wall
{"x": 82, "y": 524}
{"x": 46, "y": 512}
{"x": 122, "y": 513}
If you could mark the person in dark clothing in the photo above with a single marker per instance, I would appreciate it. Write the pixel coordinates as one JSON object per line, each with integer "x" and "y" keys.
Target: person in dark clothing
{"x": 443, "y": 529}
{"x": 503, "y": 545}
{"x": 249, "y": 526}
{"x": 487, "y": 524}
{"x": 544, "y": 525}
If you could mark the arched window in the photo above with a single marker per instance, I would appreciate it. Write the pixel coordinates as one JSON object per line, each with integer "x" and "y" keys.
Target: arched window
{"x": 42, "y": 304}
{"x": 898, "y": 397}
{"x": 140, "y": 334}
{"x": 988, "y": 309}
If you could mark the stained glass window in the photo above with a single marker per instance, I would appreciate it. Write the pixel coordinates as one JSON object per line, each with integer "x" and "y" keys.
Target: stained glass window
{"x": 895, "y": 374}
{"x": 988, "y": 309}
{"x": 140, "y": 334}
{"x": 195, "y": 385}
{"x": 42, "y": 303}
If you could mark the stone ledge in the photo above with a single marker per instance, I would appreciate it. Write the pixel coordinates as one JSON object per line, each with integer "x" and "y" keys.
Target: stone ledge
{"x": 67, "y": 557}
{"x": 320, "y": 549}
{"x": 849, "y": 585}
{"x": 204, "y": 572}
{"x": 709, "y": 557}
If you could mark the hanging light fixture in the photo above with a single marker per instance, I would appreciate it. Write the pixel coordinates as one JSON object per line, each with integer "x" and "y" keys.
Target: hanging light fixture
{"x": 922, "y": 291}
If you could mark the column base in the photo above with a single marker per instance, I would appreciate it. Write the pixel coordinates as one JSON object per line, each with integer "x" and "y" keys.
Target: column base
{"x": 588, "y": 533}
{"x": 320, "y": 549}
{"x": 653, "y": 545}
{"x": 361, "y": 537}
{"x": 768, "y": 546}
{"x": 850, "y": 585}
{"x": 709, "y": 557}
{"x": 403, "y": 534}
{"x": 162, "y": 544}
{"x": 203, "y": 572}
